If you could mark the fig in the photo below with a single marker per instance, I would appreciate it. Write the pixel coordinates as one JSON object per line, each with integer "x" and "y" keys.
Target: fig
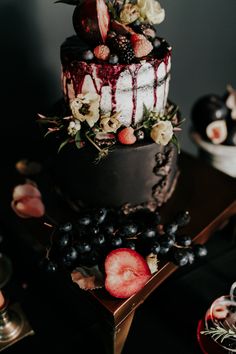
{"x": 91, "y": 20}
{"x": 208, "y": 109}
{"x": 216, "y": 131}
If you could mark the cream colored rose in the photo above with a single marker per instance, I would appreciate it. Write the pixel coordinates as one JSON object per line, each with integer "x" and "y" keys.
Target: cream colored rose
{"x": 162, "y": 132}
{"x": 151, "y": 11}
{"x": 85, "y": 107}
{"x": 129, "y": 13}
{"x": 110, "y": 124}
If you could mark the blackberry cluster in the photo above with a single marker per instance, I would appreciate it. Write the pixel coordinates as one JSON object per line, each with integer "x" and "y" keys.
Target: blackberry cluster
{"x": 88, "y": 240}
{"x": 122, "y": 47}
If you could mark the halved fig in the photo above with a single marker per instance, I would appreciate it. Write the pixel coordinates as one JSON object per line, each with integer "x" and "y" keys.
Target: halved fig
{"x": 91, "y": 20}
{"x": 217, "y": 131}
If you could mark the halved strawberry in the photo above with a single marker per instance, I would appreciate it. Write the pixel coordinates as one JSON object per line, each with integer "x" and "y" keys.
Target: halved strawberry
{"x": 141, "y": 45}
{"x": 126, "y": 272}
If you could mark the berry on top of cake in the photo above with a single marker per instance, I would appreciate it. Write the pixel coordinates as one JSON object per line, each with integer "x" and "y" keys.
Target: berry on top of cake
{"x": 214, "y": 117}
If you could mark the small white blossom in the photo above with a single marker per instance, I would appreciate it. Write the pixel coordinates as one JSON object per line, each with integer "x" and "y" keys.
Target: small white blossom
{"x": 74, "y": 127}
{"x": 162, "y": 132}
{"x": 110, "y": 124}
{"x": 151, "y": 11}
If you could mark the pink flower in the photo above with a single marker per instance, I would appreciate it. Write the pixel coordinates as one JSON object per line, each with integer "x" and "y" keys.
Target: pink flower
{"x": 27, "y": 202}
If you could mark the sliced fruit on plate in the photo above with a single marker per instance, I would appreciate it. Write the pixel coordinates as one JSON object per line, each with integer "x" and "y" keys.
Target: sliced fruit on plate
{"x": 126, "y": 272}
{"x": 217, "y": 131}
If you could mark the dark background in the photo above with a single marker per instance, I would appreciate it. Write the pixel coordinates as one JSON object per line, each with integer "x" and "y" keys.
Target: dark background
{"x": 202, "y": 34}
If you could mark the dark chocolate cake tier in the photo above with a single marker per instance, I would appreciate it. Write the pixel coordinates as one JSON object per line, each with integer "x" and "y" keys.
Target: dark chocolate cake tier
{"x": 144, "y": 173}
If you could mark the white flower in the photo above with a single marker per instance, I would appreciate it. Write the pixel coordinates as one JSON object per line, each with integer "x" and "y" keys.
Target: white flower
{"x": 73, "y": 127}
{"x": 110, "y": 124}
{"x": 129, "y": 13}
{"x": 85, "y": 107}
{"x": 151, "y": 11}
{"x": 162, "y": 132}
{"x": 231, "y": 101}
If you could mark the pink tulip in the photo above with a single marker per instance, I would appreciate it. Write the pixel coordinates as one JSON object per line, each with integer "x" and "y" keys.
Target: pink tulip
{"x": 27, "y": 201}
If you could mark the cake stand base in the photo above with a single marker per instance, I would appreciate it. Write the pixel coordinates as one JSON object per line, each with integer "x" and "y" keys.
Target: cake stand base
{"x": 23, "y": 331}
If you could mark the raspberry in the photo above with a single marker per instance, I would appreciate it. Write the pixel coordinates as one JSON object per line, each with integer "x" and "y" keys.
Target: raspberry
{"x": 141, "y": 45}
{"x": 126, "y": 136}
{"x": 101, "y": 52}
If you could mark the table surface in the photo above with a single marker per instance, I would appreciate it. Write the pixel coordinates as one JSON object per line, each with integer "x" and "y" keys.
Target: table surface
{"x": 171, "y": 311}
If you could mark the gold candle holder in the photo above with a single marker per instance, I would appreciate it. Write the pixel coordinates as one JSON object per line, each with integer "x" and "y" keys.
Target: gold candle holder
{"x": 14, "y": 325}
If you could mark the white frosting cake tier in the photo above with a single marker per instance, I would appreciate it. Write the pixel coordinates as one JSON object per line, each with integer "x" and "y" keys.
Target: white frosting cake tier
{"x": 124, "y": 88}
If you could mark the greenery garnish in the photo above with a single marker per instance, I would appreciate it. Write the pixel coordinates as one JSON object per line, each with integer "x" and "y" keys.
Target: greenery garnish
{"x": 87, "y": 124}
{"x": 220, "y": 332}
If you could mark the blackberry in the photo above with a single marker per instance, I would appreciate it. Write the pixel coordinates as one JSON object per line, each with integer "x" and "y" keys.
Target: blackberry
{"x": 122, "y": 46}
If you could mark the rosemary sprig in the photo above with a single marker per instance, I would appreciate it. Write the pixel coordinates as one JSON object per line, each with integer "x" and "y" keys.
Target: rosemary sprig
{"x": 220, "y": 332}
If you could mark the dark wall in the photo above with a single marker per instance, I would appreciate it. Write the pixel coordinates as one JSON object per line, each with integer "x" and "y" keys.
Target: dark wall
{"x": 202, "y": 34}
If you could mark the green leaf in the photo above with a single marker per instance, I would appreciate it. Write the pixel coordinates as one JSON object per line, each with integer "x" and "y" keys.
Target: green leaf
{"x": 112, "y": 10}
{"x": 62, "y": 145}
{"x": 146, "y": 124}
{"x": 145, "y": 111}
{"x": 69, "y": 2}
{"x": 48, "y": 132}
{"x": 175, "y": 141}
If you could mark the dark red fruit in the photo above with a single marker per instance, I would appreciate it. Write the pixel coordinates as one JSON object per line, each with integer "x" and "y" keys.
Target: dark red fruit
{"x": 217, "y": 131}
{"x": 91, "y": 20}
{"x": 208, "y": 109}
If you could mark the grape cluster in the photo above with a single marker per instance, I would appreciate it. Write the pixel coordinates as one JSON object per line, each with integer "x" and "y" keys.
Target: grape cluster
{"x": 87, "y": 240}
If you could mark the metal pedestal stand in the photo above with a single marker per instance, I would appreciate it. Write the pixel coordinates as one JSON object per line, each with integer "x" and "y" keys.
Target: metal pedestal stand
{"x": 14, "y": 325}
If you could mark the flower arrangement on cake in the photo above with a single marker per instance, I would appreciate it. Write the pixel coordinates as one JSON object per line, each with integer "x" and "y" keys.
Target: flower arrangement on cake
{"x": 86, "y": 125}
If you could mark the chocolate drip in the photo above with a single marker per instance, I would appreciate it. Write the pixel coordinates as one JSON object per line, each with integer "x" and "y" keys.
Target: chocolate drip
{"x": 164, "y": 163}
